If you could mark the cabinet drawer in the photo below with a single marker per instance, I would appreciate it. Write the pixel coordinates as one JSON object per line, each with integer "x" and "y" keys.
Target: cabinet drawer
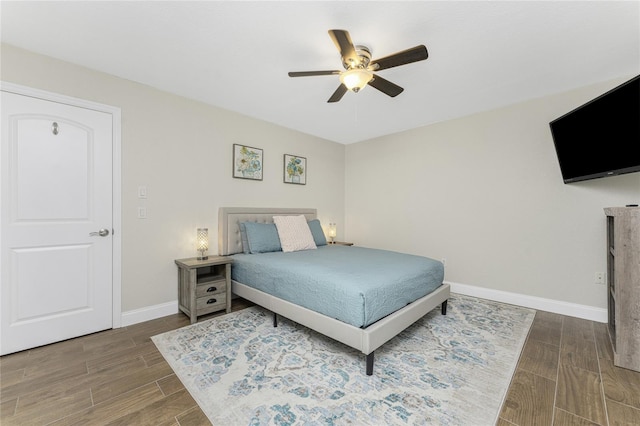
{"x": 210, "y": 303}
{"x": 209, "y": 288}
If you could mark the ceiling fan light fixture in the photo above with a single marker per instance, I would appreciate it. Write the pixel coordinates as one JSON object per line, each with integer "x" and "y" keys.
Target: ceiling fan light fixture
{"x": 356, "y": 78}
{"x": 359, "y": 68}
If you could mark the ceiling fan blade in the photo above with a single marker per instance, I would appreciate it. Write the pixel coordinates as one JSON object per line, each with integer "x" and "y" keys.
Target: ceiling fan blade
{"x": 338, "y": 94}
{"x": 385, "y": 86}
{"x": 312, "y": 73}
{"x": 415, "y": 54}
{"x": 344, "y": 44}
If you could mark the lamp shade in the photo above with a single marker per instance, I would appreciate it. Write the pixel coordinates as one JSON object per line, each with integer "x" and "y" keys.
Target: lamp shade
{"x": 202, "y": 242}
{"x": 332, "y": 232}
{"x": 355, "y": 79}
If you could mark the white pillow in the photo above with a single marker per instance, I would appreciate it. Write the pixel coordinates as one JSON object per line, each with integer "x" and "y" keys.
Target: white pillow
{"x": 294, "y": 233}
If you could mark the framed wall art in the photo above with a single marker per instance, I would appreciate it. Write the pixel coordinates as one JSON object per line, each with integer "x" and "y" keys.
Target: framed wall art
{"x": 295, "y": 169}
{"x": 247, "y": 162}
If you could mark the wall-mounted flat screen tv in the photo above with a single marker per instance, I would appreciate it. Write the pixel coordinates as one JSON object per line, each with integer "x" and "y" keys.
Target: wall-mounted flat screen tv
{"x": 602, "y": 137}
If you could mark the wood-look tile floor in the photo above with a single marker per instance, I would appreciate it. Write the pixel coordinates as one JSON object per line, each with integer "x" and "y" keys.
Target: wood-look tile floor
{"x": 565, "y": 376}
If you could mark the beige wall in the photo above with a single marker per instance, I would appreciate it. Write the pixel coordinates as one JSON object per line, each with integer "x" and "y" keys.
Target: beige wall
{"x": 485, "y": 192}
{"x": 182, "y": 151}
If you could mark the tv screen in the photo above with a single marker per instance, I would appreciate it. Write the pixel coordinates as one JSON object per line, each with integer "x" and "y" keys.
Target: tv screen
{"x": 602, "y": 137}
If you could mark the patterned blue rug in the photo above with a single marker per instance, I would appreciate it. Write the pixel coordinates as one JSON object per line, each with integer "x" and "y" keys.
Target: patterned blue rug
{"x": 444, "y": 370}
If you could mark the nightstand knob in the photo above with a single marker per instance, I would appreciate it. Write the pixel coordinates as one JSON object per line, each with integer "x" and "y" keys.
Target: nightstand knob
{"x": 211, "y": 289}
{"x": 210, "y": 301}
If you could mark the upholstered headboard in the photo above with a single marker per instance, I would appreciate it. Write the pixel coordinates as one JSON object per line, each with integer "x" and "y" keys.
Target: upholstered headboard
{"x": 229, "y": 218}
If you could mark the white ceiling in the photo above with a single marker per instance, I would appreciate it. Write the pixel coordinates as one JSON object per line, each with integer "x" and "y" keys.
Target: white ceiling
{"x": 236, "y": 54}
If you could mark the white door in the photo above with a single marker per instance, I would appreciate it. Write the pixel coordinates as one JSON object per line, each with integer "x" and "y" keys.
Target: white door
{"x": 56, "y": 218}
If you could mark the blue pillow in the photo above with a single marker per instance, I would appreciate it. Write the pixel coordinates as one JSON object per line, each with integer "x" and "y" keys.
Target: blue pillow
{"x": 243, "y": 236}
{"x": 317, "y": 232}
{"x": 262, "y": 237}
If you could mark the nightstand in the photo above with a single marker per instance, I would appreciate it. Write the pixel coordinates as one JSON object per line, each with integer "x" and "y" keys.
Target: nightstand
{"x": 204, "y": 286}
{"x": 341, "y": 243}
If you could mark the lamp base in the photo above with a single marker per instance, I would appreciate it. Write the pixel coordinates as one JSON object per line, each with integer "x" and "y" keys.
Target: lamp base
{"x": 202, "y": 257}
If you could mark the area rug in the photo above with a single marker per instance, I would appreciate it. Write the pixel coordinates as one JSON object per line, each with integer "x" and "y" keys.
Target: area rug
{"x": 449, "y": 369}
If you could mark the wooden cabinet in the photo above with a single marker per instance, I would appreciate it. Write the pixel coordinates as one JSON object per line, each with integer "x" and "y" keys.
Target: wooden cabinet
{"x": 623, "y": 284}
{"x": 204, "y": 286}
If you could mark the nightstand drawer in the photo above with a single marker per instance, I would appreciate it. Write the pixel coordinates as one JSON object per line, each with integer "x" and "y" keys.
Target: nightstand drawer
{"x": 211, "y": 303}
{"x": 212, "y": 287}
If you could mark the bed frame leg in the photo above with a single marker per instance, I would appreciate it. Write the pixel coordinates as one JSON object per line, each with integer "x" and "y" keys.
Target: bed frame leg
{"x": 275, "y": 319}
{"x": 444, "y": 307}
{"x": 370, "y": 364}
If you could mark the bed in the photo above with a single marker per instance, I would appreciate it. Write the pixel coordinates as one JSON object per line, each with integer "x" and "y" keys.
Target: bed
{"x": 358, "y": 296}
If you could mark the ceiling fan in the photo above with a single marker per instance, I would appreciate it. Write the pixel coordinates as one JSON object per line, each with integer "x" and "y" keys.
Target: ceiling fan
{"x": 359, "y": 67}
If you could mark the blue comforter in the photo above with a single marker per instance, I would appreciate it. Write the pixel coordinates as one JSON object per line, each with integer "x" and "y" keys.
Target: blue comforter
{"x": 355, "y": 285}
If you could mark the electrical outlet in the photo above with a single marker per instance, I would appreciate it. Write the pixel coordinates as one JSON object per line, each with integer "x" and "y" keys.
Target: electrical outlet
{"x": 600, "y": 278}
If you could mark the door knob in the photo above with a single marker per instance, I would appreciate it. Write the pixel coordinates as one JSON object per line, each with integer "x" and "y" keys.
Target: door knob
{"x": 102, "y": 233}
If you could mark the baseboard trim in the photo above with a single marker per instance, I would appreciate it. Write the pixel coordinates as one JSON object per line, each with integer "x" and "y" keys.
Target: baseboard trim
{"x": 149, "y": 313}
{"x": 549, "y": 305}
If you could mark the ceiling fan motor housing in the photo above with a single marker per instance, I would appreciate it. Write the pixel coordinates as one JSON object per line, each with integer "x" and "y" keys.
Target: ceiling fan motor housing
{"x": 364, "y": 53}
